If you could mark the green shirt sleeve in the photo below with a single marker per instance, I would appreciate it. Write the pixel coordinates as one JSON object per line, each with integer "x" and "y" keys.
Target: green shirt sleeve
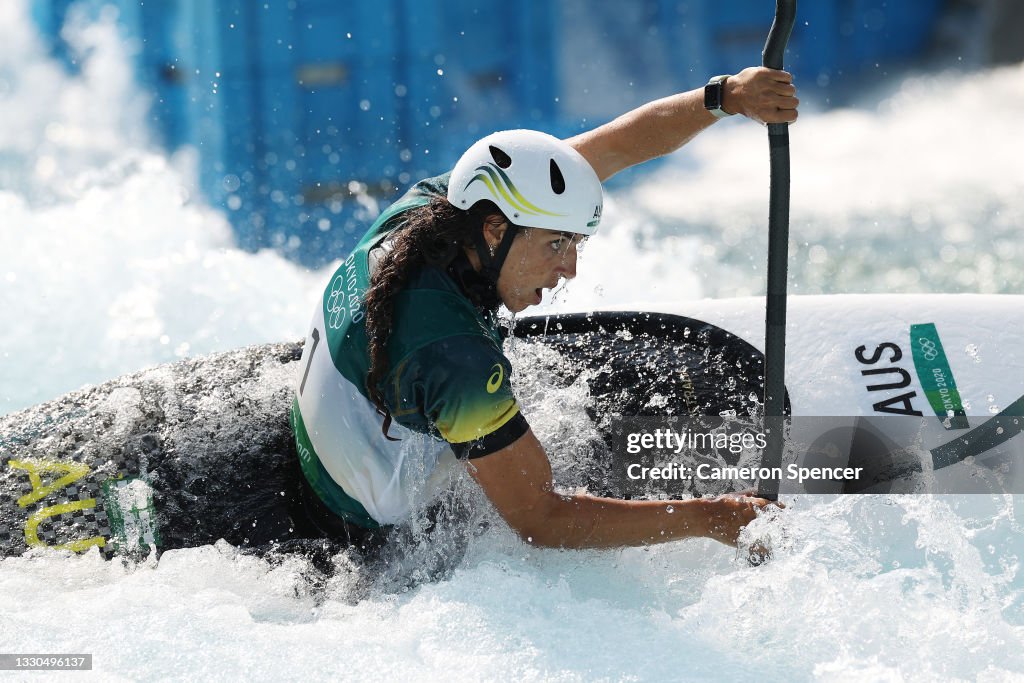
{"x": 460, "y": 387}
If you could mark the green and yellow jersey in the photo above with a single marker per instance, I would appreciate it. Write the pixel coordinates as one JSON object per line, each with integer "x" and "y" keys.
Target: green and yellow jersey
{"x": 447, "y": 386}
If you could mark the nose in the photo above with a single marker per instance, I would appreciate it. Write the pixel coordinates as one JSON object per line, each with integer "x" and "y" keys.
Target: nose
{"x": 567, "y": 264}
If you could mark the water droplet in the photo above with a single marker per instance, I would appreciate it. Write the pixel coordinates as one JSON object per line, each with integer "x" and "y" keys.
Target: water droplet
{"x": 670, "y": 509}
{"x": 231, "y": 183}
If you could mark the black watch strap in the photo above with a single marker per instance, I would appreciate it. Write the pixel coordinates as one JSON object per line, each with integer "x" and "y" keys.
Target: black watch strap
{"x": 714, "y": 93}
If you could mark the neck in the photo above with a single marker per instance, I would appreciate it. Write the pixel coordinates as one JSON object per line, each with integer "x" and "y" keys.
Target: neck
{"x": 465, "y": 270}
{"x": 473, "y": 259}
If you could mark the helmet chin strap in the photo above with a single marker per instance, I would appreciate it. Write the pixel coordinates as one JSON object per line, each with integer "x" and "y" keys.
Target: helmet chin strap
{"x": 491, "y": 263}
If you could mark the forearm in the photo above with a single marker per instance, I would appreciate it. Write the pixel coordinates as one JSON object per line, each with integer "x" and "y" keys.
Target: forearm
{"x": 665, "y": 125}
{"x": 517, "y": 479}
{"x": 582, "y": 521}
{"x": 652, "y": 130}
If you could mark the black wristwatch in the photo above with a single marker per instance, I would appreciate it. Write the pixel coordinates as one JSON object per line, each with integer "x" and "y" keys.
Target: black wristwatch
{"x": 714, "y": 93}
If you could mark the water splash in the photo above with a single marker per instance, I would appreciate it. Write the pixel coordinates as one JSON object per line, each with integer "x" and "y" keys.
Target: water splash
{"x": 108, "y": 263}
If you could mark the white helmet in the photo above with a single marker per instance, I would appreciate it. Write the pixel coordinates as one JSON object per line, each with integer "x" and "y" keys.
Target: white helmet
{"x": 537, "y": 181}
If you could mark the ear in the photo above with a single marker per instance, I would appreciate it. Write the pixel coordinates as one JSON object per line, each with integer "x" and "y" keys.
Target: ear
{"x": 494, "y": 229}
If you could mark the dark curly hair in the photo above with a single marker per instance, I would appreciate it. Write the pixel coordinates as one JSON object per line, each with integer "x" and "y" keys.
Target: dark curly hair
{"x": 431, "y": 235}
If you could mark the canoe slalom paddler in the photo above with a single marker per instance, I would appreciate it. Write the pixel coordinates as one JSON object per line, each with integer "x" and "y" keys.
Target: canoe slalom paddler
{"x": 403, "y": 375}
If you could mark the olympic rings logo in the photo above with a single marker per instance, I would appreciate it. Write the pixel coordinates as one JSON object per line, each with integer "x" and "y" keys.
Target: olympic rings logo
{"x": 336, "y": 304}
{"x": 928, "y": 348}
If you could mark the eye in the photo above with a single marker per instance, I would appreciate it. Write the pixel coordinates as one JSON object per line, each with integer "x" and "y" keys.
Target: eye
{"x": 557, "y": 245}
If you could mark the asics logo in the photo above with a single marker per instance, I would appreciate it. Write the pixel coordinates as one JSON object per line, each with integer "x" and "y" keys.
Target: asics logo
{"x": 494, "y": 381}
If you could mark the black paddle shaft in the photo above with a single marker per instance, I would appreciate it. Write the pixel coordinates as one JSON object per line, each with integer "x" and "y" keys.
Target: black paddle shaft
{"x": 778, "y": 255}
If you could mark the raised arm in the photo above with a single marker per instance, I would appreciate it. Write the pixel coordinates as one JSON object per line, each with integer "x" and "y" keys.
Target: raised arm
{"x": 517, "y": 479}
{"x": 663, "y": 126}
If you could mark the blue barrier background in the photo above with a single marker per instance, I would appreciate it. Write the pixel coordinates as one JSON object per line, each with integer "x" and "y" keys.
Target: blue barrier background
{"x": 309, "y": 114}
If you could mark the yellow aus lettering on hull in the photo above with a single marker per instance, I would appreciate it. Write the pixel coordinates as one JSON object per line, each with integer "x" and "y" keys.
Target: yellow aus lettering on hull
{"x": 71, "y": 472}
{"x": 32, "y": 526}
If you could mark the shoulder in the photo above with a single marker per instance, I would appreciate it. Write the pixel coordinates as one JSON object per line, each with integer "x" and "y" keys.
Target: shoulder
{"x": 449, "y": 347}
{"x": 467, "y": 359}
{"x": 431, "y": 187}
{"x": 432, "y": 309}
{"x": 420, "y": 194}
{"x": 464, "y": 384}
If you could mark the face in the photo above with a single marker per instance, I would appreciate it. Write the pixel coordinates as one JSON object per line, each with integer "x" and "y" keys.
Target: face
{"x": 537, "y": 260}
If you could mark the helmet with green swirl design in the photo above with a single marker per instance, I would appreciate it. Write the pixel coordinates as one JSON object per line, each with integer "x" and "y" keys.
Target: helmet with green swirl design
{"x": 537, "y": 181}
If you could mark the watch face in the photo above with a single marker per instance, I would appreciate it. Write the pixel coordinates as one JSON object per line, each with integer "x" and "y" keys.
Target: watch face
{"x": 713, "y": 96}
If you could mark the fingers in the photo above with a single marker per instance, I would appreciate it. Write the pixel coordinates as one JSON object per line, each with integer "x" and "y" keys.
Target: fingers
{"x": 784, "y": 89}
{"x": 731, "y": 512}
{"x": 773, "y": 106}
{"x": 751, "y": 496}
{"x": 728, "y": 515}
{"x": 762, "y": 503}
{"x": 764, "y": 95}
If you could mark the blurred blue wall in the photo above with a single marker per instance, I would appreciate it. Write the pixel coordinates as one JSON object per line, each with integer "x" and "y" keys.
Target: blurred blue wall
{"x": 306, "y": 111}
